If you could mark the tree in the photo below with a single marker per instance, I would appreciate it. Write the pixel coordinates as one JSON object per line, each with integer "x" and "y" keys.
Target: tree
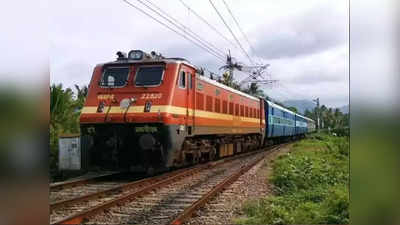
{"x": 227, "y": 79}
{"x": 63, "y": 117}
{"x": 293, "y": 109}
{"x": 81, "y": 95}
{"x": 61, "y": 108}
{"x": 329, "y": 117}
{"x": 254, "y": 90}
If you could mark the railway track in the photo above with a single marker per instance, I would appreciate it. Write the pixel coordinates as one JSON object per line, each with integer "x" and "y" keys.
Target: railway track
{"x": 80, "y": 181}
{"x": 168, "y": 198}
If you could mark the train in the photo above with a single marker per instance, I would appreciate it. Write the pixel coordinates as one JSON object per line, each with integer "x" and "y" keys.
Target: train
{"x": 148, "y": 113}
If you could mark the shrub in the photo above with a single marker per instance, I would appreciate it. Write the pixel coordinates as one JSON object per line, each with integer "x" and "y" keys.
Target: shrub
{"x": 310, "y": 185}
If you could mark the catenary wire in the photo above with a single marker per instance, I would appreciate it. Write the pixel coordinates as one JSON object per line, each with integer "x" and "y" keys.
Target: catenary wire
{"x": 182, "y": 28}
{"x": 237, "y": 24}
{"x": 208, "y": 24}
{"x": 173, "y": 30}
{"x": 230, "y": 30}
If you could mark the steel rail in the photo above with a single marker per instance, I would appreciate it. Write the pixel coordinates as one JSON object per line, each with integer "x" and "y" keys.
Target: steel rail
{"x": 122, "y": 187}
{"x": 79, "y": 217}
{"x": 72, "y": 183}
{"x": 188, "y": 212}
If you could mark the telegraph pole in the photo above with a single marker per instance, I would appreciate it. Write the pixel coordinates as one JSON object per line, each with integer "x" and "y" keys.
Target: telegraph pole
{"x": 317, "y": 111}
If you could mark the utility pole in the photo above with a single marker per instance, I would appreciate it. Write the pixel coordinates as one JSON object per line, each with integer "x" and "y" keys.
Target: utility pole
{"x": 317, "y": 111}
{"x": 254, "y": 72}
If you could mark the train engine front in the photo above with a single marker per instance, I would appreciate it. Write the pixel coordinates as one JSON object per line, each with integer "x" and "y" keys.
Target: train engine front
{"x": 124, "y": 123}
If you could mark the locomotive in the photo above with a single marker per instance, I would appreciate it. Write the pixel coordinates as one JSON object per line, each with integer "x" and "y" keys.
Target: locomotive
{"x": 146, "y": 112}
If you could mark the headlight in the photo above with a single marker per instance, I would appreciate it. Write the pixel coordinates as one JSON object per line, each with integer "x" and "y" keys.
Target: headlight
{"x": 135, "y": 55}
{"x": 125, "y": 103}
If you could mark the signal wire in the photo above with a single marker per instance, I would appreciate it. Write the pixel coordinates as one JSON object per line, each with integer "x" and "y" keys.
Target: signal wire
{"x": 173, "y": 30}
{"x": 230, "y": 30}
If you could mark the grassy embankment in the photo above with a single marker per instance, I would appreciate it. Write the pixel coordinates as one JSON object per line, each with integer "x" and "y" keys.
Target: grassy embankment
{"x": 310, "y": 185}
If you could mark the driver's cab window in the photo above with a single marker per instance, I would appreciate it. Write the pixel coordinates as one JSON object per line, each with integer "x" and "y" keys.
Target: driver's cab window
{"x": 182, "y": 79}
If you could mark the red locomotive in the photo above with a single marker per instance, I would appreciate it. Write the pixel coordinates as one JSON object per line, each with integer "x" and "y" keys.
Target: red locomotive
{"x": 145, "y": 112}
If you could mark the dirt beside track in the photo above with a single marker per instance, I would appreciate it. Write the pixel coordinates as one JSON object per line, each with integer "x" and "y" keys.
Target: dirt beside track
{"x": 228, "y": 204}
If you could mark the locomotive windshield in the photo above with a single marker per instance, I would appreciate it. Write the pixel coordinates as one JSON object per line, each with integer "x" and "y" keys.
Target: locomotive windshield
{"x": 115, "y": 77}
{"x": 149, "y": 75}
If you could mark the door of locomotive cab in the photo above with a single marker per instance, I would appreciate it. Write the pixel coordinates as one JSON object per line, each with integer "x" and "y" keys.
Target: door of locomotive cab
{"x": 186, "y": 82}
{"x": 190, "y": 101}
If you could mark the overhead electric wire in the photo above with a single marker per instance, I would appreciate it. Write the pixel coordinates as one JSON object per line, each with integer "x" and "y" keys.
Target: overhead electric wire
{"x": 230, "y": 30}
{"x": 173, "y": 30}
{"x": 240, "y": 28}
{"x": 207, "y": 23}
{"x": 183, "y": 28}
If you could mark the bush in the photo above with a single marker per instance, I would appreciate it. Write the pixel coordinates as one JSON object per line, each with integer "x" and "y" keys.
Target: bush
{"x": 310, "y": 185}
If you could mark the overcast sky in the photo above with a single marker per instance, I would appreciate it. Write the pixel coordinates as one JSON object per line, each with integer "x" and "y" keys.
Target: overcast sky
{"x": 305, "y": 42}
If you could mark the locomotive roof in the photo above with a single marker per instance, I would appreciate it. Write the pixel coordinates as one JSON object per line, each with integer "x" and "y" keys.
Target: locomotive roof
{"x": 163, "y": 60}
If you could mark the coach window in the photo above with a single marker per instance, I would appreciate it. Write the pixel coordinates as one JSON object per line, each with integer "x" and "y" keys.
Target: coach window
{"x": 182, "y": 80}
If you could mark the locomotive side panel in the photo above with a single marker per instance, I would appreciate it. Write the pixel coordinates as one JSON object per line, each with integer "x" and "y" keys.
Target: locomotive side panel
{"x": 217, "y": 120}
{"x": 219, "y": 110}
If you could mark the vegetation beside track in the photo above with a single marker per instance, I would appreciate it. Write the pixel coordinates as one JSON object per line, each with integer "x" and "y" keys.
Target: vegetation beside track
{"x": 65, "y": 108}
{"x": 310, "y": 185}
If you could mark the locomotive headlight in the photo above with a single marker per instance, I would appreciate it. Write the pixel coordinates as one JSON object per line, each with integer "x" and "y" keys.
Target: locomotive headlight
{"x": 125, "y": 103}
{"x": 135, "y": 55}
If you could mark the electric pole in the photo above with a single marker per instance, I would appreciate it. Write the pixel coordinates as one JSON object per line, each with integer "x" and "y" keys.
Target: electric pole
{"x": 317, "y": 112}
{"x": 254, "y": 72}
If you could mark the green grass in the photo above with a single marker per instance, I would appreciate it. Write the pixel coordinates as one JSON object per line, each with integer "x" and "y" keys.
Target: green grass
{"x": 310, "y": 185}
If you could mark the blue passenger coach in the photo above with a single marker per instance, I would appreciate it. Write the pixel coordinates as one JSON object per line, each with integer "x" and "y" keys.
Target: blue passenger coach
{"x": 282, "y": 123}
{"x": 301, "y": 124}
{"x": 304, "y": 125}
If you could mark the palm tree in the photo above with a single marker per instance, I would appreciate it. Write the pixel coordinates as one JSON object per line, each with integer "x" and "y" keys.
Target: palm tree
{"x": 81, "y": 95}
{"x": 227, "y": 79}
{"x": 61, "y": 102}
{"x": 254, "y": 90}
{"x": 293, "y": 109}
{"x": 338, "y": 118}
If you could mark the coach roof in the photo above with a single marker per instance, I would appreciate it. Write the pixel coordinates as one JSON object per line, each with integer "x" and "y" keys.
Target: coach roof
{"x": 279, "y": 107}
